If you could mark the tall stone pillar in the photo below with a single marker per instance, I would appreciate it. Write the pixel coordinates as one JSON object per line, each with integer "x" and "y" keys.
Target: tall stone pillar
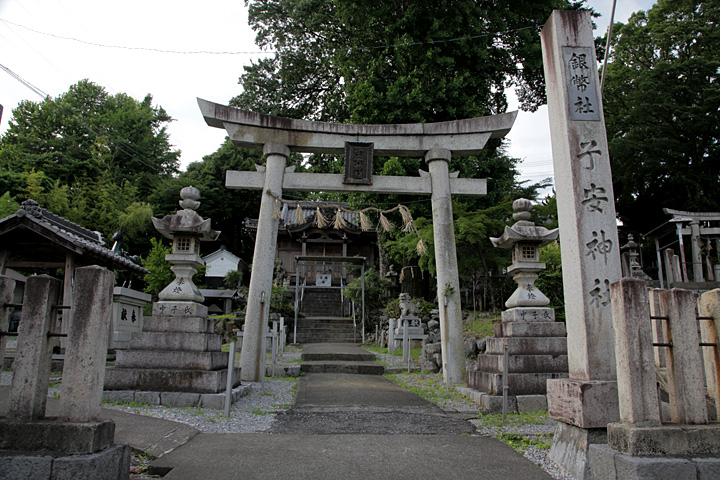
{"x": 258, "y": 305}
{"x": 587, "y": 401}
{"x": 448, "y": 283}
{"x": 697, "y": 261}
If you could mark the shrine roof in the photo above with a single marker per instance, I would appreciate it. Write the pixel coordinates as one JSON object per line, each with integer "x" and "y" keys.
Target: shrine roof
{"x": 61, "y": 232}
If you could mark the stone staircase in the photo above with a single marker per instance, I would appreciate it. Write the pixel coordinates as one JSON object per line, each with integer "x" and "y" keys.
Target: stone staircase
{"x": 338, "y": 358}
{"x": 321, "y": 302}
{"x": 327, "y": 330}
{"x": 323, "y": 321}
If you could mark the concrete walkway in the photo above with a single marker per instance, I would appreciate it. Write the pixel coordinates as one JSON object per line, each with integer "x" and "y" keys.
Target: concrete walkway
{"x": 341, "y": 426}
{"x": 351, "y": 426}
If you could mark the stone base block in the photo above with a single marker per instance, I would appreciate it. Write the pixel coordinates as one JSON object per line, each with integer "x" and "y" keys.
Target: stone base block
{"x": 570, "y": 448}
{"x": 528, "y": 314}
{"x": 519, "y": 383}
{"x": 217, "y": 400}
{"x": 166, "y": 323}
{"x": 608, "y": 464}
{"x": 531, "y": 403}
{"x": 120, "y": 339}
{"x": 524, "y": 363}
{"x": 161, "y": 380}
{"x": 177, "y": 399}
{"x": 169, "y": 359}
{"x": 180, "y": 309}
{"x": 530, "y": 329}
{"x": 673, "y": 440}
{"x": 193, "y": 342}
{"x": 527, "y": 346}
{"x": 494, "y": 403}
{"x": 52, "y": 435}
{"x": 585, "y": 404}
{"x": 112, "y": 463}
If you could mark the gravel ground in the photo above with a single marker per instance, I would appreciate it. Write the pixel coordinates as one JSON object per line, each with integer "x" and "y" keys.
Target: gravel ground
{"x": 257, "y": 411}
{"x": 253, "y": 413}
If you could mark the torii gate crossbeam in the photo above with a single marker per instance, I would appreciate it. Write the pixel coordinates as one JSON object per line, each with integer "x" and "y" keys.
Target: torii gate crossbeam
{"x": 436, "y": 142}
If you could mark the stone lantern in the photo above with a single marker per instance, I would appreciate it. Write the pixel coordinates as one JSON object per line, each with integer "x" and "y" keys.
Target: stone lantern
{"x": 525, "y": 239}
{"x": 534, "y": 342}
{"x": 186, "y": 229}
{"x": 630, "y": 257}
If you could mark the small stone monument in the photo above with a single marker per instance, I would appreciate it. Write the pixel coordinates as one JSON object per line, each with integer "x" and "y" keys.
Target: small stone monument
{"x": 630, "y": 256}
{"x": 536, "y": 343}
{"x": 177, "y": 359}
{"x": 408, "y": 315}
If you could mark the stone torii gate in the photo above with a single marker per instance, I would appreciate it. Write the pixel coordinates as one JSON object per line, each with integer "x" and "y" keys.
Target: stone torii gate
{"x": 437, "y": 142}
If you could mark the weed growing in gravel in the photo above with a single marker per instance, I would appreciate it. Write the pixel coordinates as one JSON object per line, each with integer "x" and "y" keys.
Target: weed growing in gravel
{"x": 430, "y": 387}
{"x": 491, "y": 420}
{"x": 213, "y": 416}
{"x": 260, "y": 411}
{"x": 267, "y": 394}
{"x": 520, "y": 443}
{"x": 194, "y": 410}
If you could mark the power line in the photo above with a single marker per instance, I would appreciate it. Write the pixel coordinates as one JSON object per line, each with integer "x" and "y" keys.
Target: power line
{"x": 121, "y": 145}
{"x": 211, "y": 52}
{"x": 24, "y": 82}
{"x": 122, "y": 47}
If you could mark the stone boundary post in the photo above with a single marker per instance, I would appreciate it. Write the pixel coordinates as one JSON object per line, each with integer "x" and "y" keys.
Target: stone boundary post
{"x": 28, "y": 395}
{"x": 684, "y": 360}
{"x": 7, "y": 287}
{"x": 637, "y": 392}
{"x": 709, "y": 306}
{"x": 86, "y": 346}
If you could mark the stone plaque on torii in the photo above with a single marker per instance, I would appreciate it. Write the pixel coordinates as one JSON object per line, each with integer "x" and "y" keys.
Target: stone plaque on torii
{"x": 436, "y": 142}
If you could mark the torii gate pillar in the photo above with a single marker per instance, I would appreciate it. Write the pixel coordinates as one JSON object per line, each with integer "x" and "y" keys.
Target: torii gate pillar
{"x": 258, "y": 305}
{"x": 448, "y": 282}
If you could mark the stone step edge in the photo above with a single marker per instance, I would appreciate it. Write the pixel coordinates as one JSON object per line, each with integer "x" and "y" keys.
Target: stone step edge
{"x": 215, "y": 401}
{"x": 516, "y": 403}
{"x": 338, "y": 357}
{"x": 371, "y": 368}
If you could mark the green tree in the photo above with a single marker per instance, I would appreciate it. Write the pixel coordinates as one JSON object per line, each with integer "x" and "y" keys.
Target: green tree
{"x": 8, "y": 205}
{"x": 395, "y": 62}
{"x": 86, "y": 132}
{"x": 550, "y": 280}
{"x": 662, "y": 109}
{"x": 160, "y": 274}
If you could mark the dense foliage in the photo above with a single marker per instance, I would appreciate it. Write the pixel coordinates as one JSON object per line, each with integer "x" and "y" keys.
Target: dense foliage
{"x": 395, "y": 62}
{"x": 662, "y": 108}
{"x": 91, "y": 157}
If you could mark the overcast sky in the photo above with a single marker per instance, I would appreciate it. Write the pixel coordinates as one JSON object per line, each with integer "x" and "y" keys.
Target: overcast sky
{"x": 36, "y": 45}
